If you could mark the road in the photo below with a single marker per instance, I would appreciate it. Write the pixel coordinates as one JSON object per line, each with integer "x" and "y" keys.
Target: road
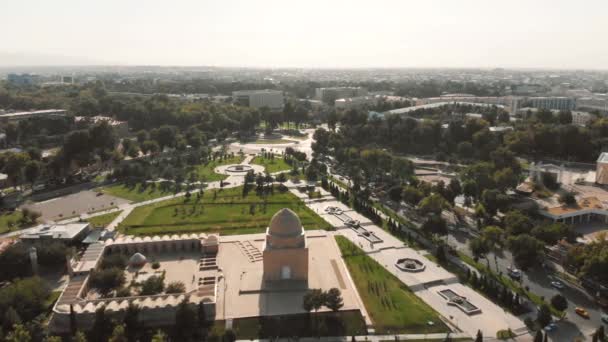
{"x": 539, "y": 282}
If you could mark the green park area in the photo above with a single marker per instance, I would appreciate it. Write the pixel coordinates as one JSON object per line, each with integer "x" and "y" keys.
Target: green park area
{"x": 138, "y": 192}
{"x": 224, "y": 211}
{"x": 392, "y": 306}
{"x": 272, "y": 141}
{"x": 101, "y": 221}
{"x": 142, "y": 192}
{"x": 15, "y": 220}
{"x": 206, "y": 171}
{"x": 273, "y": 164}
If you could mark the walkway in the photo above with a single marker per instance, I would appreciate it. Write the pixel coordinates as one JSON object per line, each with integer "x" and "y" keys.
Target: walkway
{"x": 424, "y": 284}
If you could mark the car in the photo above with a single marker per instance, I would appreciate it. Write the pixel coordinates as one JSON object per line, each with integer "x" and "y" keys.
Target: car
{"x": 605, "y": 318}
{"x": 514, "y": 273}
{"x": 550, "y": 327}
{"x": 557, "y": 284}
{"x": 581, "y": 312}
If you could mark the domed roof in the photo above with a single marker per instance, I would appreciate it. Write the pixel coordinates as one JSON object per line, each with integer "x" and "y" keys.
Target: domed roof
{"x": 137, "y": 259}
{"x": 285, "y": 223}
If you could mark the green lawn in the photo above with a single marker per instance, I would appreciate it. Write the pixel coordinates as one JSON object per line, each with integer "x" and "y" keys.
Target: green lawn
{"x": 137, "y": 193}
{"x": 272, "y": 165}
{"x": 206, "y": 171}
{"x": 103, "y": 220}
{"x": 390, "y": 303}
{"x": 10, "y": 222}
{"x": 229, "y": 213}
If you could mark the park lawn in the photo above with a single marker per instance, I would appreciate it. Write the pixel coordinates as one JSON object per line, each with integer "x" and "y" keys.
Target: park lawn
{"x": 206, "y": 172}
{"x": 103, "y": 220}
{"x": 272, "y": 141}
{"x": 392, "y": 306}
{"x": 227, "y": 214}
{"x": 10, "y": 222}
{"x": 272, "y": 165}
{"x": 136, "y": 193}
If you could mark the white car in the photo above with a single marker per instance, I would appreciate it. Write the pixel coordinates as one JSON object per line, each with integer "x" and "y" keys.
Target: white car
{"x": 557, "y": 284}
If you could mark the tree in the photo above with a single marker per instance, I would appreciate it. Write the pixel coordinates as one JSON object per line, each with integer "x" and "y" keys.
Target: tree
{"x": 493, "y": 235}
{"x": 106, "y": 280}
{"x": 131, "y": 322}
{"x": 159, "y": 337}
{"x": 567, "y": 198}
{"x": 102, "y": 326}
{"x": 432, "y": 204}
{"x": 559, "y": 302}
{"x": 517, "y": 223}
{"x": 118, "y": 334}
{"x": 32, "y": 171}
{"x": 539, "y": 336}
{"x": 153, "y": 285}
{"x": 333, "y": 299}
{"x": 526, "y": 250}
{"x": 479, "y": 247}
{"x": 544, "y": 315}
{"x": 564, "y": 117}
{"x": 19, "y": 334}
{"x": 435, "y": 224}
{"x": 79, "y": 337}
{"x": 479, "y": 337}
{"x": 176, "y": 287}
{"x": 313, "y": 300}
{"x": 185, "y": 320}
{"x": 11, "y": 318}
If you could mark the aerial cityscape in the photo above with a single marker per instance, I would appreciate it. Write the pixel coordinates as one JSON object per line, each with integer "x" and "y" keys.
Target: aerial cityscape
{"x": 335, "y": 171}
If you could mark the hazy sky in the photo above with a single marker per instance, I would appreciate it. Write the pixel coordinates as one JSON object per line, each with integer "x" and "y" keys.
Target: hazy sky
{"x": 310, "y": 33}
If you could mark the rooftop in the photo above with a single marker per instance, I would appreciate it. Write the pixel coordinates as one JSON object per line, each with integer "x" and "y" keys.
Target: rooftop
{"x": 57, "y": 231}
{"x": 583, "y": 204}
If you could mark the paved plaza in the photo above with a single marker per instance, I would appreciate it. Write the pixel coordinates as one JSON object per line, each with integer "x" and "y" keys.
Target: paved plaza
{"x": 425, "y": 284}
{"x": 242, "y": 293}
{"x": 75, "y": 204}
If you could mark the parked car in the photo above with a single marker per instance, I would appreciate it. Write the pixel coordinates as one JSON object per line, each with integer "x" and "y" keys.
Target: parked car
{"x": 582, "y": 312}
{"x": 557, "y": 284}
{"x": 514, "y": 273}
{"x": 550, "y": 327}
{"x": 605, "y": 318}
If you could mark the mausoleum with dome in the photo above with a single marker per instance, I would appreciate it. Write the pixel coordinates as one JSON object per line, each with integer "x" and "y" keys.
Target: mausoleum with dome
{"x": 285, "y": 253}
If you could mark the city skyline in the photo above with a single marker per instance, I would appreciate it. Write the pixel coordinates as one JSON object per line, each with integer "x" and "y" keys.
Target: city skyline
{"x": 383, "y": 34}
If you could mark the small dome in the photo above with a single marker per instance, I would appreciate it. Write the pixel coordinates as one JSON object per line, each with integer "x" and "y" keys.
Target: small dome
{"x": 137, "y": 259}
{"x": 285, "y": 223}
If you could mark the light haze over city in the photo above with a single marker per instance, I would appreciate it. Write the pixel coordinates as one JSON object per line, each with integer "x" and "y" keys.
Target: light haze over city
{"x": 472, "y": 33}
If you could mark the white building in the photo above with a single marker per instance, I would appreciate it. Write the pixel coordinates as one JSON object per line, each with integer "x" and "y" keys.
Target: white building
{"x": 272, "y": 99}
{"x": 581, "y": 118}
{"x": 355, "y": 102}
{"x": 329, "y": 95}
{"x": 559, "y": 103}
{"x": 69, "y": 232}
{"x": 32, "y": 114}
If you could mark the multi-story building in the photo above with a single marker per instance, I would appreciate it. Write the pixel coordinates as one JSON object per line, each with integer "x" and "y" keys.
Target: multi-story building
{"x": 330, "y": 95}
{"x": 356, "y": 102}
{"x": 22, "y": 79}
{"x": 32, "y": 114}
{"x": 272, "y": 99}
{"x": 559, "y": 103}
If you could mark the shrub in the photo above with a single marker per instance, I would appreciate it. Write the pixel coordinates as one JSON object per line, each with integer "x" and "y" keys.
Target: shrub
{"x": 106, "y": 280}
{"x": 155, "y": 265}
{"x": 153, "y": 285}
{"x": 176, "y": 287}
